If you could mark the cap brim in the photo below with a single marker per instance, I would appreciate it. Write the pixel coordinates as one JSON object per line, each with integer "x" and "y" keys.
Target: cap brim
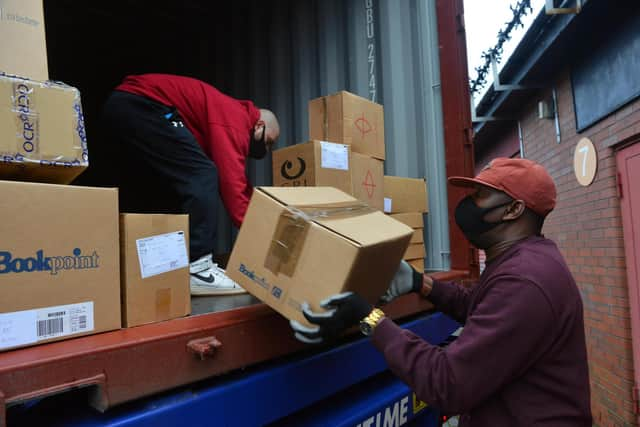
{"x": 464, "y": 181}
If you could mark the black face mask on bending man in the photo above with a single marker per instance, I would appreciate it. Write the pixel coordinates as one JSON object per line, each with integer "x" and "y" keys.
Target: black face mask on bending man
{"x": 470, "y": 219}
{"x": 258, "y": 148}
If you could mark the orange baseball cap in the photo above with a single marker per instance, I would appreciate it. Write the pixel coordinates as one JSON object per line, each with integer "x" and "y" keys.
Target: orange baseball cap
{"x": 521, "y": 179}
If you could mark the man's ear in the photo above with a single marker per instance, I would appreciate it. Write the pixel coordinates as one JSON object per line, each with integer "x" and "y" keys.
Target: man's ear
{"x": 515, "y": 210}
{"x": 258, "y": 124}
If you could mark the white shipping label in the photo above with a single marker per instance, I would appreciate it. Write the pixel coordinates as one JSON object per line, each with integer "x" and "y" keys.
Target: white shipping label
{"x": 29, "y": 326}
{"x": 162, "y": 253}
{"x": 334, "y": 156}
{"x": 387, "y": 205}
{"x": 18, "y": 328}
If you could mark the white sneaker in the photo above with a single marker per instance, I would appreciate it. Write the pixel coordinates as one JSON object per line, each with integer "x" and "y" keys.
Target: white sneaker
{"x": 209, "y": 279}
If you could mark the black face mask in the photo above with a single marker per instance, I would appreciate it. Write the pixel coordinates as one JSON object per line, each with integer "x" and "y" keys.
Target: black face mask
{"x": 470, "y": 219}
{"x": 258, "y": 149}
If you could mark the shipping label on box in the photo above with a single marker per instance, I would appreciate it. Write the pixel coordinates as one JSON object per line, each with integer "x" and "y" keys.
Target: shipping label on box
{"x": 42, "y": 134}
{"x": 348, "y": 119}
{"x": 155, "y": 267}
{"x": 59, "y": 262}
{"x": 23, "y": 51}
{"x": 405, "y": 195}
{"x": 367, "y": 176}
{"x": 312, "y": 164}
{"x": 304, "y": 244}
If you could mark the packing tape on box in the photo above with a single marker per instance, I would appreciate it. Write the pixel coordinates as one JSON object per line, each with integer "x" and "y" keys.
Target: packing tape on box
{"x": 24, "y": 104}
{"x": 293, "y": 225}
{"x": 163, "y": 303}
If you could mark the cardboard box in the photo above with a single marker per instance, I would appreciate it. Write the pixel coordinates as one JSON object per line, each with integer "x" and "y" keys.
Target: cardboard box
{"x": 349, "y": 119}
{"x": 42, "y": 135}
{"x": 306, "y": 244}
{"x": 414, "y": 251}
{"x": 154, "y": 264}
{"x": 367, "y": 178}
{"x": 23, "y": 51}
{"x": 313, "y": 164}
{"x": 418, "y": 264}
{"x": 412, "y": 219}
{"x": 403, "y": 195}
{"x": 417, "y": 236}
{"x": 59, "y": 262}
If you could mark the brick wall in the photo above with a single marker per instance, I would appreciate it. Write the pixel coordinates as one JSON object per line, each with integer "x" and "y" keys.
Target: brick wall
{"x": 587, "y": 227}
{"x": 509, "y": 147}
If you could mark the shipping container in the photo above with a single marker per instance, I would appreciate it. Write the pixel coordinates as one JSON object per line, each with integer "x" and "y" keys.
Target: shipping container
{"x": 407, "y": 55}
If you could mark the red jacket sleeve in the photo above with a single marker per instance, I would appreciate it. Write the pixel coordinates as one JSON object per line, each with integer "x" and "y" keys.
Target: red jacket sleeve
{"x": 502, "y": 338}
{"x": 234, "y": 187}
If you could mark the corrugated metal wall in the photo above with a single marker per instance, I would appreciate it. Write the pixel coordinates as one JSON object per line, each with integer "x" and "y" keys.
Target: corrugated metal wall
{"x": 387, "y": 50}
{"x": 281, "y": 54}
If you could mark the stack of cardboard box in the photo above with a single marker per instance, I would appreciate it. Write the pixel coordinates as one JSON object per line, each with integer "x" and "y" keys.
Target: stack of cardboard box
{"x": 59, "y": 252}
{"x": 346, "y": 149}
{"x": 59, "y": 274}
{"x": 303, "y": 240}
{"x": 406, "y": 200}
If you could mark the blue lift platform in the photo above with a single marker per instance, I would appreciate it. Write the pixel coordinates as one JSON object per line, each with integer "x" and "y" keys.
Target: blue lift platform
{"x": 346, "y": 385}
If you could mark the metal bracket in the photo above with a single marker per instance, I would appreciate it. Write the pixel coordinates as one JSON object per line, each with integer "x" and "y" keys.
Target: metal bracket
{"x": 498, "y": 87}
{"x": 204, "y": 347}
{"x": 550, "y": 9}
{"x": 477, "y": 119}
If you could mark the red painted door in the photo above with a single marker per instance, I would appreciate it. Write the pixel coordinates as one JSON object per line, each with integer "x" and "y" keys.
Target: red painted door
{"x": 628, "y": 161}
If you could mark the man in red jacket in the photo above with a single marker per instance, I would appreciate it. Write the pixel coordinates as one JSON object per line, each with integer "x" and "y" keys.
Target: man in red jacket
{"x": 521, "y": 359}
{"x": 184, "y": 142}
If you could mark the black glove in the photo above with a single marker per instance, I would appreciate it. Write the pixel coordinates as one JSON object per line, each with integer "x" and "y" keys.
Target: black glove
{"x": 343, "y": 311}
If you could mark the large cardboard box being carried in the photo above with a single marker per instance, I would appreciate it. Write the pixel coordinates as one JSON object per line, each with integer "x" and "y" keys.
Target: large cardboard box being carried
{"x": 403, "y": 195}
{"x": 23, "y": 50}
{"x": 349, "y": 119}
{"x": 59, "y": 262}
{"x": 154, "y": 268}
{"x": 313, "y": 164}
{"x": 42, "y": 135}
{"x": 367, "y": 178}
{"x": 305, "y": 244}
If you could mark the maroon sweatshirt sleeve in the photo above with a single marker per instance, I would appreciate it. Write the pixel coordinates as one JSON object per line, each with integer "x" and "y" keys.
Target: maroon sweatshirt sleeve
{"x": 235, "y": 189}
{"x": 506, "y": 333}
{"x": 451, "y": 299}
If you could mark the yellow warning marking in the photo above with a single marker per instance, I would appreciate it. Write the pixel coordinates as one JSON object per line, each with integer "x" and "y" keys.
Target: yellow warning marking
{"x": 418, "y": 405}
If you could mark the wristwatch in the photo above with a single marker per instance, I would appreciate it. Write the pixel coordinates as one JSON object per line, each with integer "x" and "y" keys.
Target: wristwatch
{"x": 368, "y": 324}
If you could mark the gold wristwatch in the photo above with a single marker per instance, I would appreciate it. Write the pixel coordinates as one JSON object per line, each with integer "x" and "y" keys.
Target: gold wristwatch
{"x": 368, "y": 324}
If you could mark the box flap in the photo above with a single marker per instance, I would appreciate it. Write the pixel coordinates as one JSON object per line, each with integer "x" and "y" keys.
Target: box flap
{"x": 368, "y": 229}
{"x": 363, "y": 227}
{"x": 307, "y": 196}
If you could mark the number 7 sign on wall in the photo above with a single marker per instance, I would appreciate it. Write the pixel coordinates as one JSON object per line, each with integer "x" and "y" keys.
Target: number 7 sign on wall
{"x": 585, "y": 162}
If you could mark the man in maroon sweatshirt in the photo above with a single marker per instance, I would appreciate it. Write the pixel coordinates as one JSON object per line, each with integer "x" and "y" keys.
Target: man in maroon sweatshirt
{"x": 521, "y": 358}
{"x": 183, "y": 142}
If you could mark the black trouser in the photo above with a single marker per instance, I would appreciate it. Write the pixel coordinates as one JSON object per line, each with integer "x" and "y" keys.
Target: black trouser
{"x": 161, "y": 168}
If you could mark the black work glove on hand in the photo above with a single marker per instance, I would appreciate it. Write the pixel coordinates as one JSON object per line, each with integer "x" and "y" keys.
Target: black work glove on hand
{"x": 343, "y": 311}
